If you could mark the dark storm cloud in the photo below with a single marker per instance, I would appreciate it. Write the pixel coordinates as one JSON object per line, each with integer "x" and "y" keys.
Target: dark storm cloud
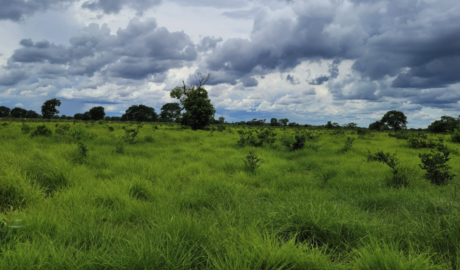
{"x": 208, "y": 43}
{"x": 114, "y": 6}
{"x": 140, "y": 50}
{"x": 16, "y": 10}
{"x": 416, "y": 42}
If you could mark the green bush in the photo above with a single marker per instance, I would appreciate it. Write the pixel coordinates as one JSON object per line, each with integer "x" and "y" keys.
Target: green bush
{"x": 41, "y": 130}
{"x": 253, "y": 161}
{"x": 435, "y": 164}
{"x": 25, "y": 128}
{"x": 455, "y": 137}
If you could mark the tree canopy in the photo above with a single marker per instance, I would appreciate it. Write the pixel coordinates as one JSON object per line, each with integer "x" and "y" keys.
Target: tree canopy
{"x": 140, "y": 113}
{"x": 97, "y": 113}
{"x": 446, "y": 123}
{"x": 395, "y": 120}
{"x": 4, "y": 111}
{"x": 49, "y": 108}
{"x": 18, "y": 112}
{"x": 199, "y": 112}
{"x": 170, "y": 112}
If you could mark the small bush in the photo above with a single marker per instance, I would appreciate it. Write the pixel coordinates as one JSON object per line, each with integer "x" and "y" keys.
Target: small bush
{"x": 149, "y": 139}
{"x": 253, "y": 161}
{"x": 455, "y": 136}
{"x": 82, "y": 149}
{"x": 294, "y": 143}
{"x": 131, "y": 134}
{"x": 348, "y": 145}
{"x": 399, "y": 179}
{"x": 119, "y": 148}
{"x": 41, "y": 130}
{"x": 435, "y": 164}
{"x": 110, "y": 129}
{"x": 25, "y": 128}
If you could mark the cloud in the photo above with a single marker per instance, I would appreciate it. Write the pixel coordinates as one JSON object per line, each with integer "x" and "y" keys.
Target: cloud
{"x": 16, "y": 10}
{"x": 136, "y": 52}
{"x": 292, "y": 80}
{"x": 12, "y": 77}
{"x": 249, "y": 82}
{"x": 208, "y": 44}
{"x": 115, "y": 6}
{"x": 319, "y": 80}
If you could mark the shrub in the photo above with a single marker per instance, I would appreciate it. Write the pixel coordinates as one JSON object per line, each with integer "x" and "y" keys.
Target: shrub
{"x": 437, "y": 171}
{"x": 119, "y": 148}
{"x": 256, "y": 138}
{"x": 82, "y": 149}
{"x": 62, "y": 129}
{"x": 253, "y": 161}
{"x": 295, "y": 143}
{"x": 348, "y": 145}
{"x": 41, "y": 130}
{"x": 110, "y": 129}
{"x": 455, "y": 137}
{"x": 149, "y": 139}
{"x": 399, "y": 179}
{"x": 25, "y": 128}
{"x": 131, "y": 134}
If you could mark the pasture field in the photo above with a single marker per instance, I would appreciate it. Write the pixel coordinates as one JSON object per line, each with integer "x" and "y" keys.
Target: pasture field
{"x": 183, "y": 199}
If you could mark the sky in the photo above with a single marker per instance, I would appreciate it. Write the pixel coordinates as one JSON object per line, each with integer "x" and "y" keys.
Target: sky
{"x": 311, "y": 61}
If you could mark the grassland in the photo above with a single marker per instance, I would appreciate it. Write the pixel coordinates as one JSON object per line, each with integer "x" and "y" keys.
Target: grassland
{"x": 183, "y": 199}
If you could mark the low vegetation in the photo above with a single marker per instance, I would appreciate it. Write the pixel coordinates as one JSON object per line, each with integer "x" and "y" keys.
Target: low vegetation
{"x": 123, "y": 196}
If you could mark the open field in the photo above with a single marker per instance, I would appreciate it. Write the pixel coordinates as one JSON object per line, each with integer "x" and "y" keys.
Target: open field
{"x": 183, "y": 199}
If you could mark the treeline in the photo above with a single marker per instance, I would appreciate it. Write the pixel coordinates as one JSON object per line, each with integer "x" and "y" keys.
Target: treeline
{"x": 171, "y": 112}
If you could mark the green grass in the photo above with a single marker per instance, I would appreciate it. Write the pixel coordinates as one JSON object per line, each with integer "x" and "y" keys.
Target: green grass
{"x": 181, "y": 199}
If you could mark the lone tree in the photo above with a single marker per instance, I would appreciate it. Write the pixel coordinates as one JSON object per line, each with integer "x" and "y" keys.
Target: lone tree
{"x": 140, "y": 113}
{"x": 4, "y": 111}
{"x": 97, "y": 113}
{"x": 49, "y": 108}
{"x": 170, "y": 112}
{"x": 199, "y": 111}
{"x": 395, "y": 120}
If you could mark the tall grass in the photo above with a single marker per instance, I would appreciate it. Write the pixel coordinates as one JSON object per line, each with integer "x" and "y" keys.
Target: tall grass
{"x": 181, "y": 199}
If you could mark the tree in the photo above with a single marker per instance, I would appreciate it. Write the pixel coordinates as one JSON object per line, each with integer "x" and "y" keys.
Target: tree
{"x": 140, "y": 113}
{"x": 32, "y": 114}
{"x": 329, "y": 125}
{"x": 86, "y": 116}
{"x": 395, "y": 120}
{"x": 97, "y": 113}
{"x": 170, "y": 112}
{"x": 284, "y": 121}
{"x": 199, "y": 111}
{"x": 350, "y": 125}
{"x": 78, "y": 116}
{"x": 49, "y": 108}
{"x": 446, "y": 123}
{"x": 274, "y": 122}
{"x": 18, "y": 112}
{"x": 221, "y": 120}
{"x": 378, "y": 125}
{"x": 4, "y": 111}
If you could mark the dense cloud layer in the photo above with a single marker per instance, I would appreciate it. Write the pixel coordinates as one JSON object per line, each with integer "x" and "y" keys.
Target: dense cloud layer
{"x": 16, "y": 10}
{"x": 140, "y": 50}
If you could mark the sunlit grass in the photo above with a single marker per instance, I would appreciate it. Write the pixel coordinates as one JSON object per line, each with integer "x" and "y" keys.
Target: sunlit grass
{"x": 182, "y": 199}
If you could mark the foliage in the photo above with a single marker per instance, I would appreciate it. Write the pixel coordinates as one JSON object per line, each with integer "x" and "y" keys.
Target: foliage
{"x": 378, "y": 126}
{"x": 140, "y": 113}
{"x": 131, "y": 134}
{"x": 25, "y": 128}
{"x": 295, "y": 142}
{"x": 348, "y": 145}
{"x": 49, "y": 108}
{"x": 398, "y": 179}
{"x": 257, "y": 138}
{"x": 170, "y": 112}
{"x": 283, "y": 121}
{"x": 274, "y": 122}
{"x": 253, "y": 161}
{"x": 32, "y": 114}
{"x": 119, "y": 148}
{"x": 395, "y": 120}
{"x": 83, "y": 149}
{"x": 62, "y": 129}
{"x": 4, "y": 111}
{"x": 199, "y": 112}
{"x": 42, "y": 130}
{"x": 18, "y": 112}
{"x": 435, "y": 164}
{"x": 446, "y": 123}
{"x": 455, "y": 136}
{"x": 97, "y": 113}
